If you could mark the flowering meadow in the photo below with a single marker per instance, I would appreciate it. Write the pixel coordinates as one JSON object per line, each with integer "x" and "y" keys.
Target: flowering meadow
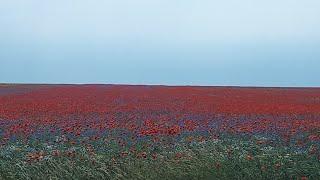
{"x": 158, "y": 132}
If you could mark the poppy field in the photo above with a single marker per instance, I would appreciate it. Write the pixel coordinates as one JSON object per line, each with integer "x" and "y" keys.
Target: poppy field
{"x": 158, "y": 132}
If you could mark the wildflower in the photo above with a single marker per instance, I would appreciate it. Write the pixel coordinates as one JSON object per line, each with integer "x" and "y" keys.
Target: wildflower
{"x": 70, "y": 153}
{"x": 154, "y": 156}
{"x": 277, "y": 165}
{"x": 260, "y": 142}
{"x": 36, "y": 156}
{"x": 189, "y": 138}
{"x": 263, "y": 168}
{"x": 249, "y": 157}
{"x": 124, "y": 154}
{"x": 218, "y": 165}
{"x": 174, "y": 130}
{"x": 313, "y": 149}
{"x": 314, "y": 137}
{"x": 142, "y": 155}
{"x": 178, "y": 155}
{"x": 229, "y": 152}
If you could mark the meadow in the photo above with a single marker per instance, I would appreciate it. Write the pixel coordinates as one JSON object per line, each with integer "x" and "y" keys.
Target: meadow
{"x": 158, "y": 132}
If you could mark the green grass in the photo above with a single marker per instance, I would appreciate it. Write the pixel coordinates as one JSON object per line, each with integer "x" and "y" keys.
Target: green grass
{"x": 227, "y": 158}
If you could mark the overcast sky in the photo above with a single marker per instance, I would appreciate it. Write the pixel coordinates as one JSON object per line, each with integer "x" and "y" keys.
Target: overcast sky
{"x": 171, "y": 42}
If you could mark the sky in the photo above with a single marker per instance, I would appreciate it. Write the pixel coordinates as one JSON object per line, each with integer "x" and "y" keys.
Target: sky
{"x": 167, "y": 42}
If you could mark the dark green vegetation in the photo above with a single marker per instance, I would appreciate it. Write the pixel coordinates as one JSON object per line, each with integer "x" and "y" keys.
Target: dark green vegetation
{"x": 192, "y": 157}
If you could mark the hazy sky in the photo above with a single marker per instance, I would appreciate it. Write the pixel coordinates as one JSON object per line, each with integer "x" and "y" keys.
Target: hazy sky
{"x": 173, "y": 42}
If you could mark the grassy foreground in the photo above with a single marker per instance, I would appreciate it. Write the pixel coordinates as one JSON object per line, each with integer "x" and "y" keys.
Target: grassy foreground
{"x": 186, "y": 158}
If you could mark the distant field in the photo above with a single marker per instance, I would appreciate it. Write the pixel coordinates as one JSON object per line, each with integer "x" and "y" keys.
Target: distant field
{"x": 158, "y": 132}
{"x": 6, "y": 85}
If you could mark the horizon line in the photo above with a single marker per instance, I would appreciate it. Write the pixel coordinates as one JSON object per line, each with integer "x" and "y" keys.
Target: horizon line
{"x": 168, "y": 85}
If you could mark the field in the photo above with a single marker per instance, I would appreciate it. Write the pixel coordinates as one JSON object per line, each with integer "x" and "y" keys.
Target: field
{"x": 158, "y": 132}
